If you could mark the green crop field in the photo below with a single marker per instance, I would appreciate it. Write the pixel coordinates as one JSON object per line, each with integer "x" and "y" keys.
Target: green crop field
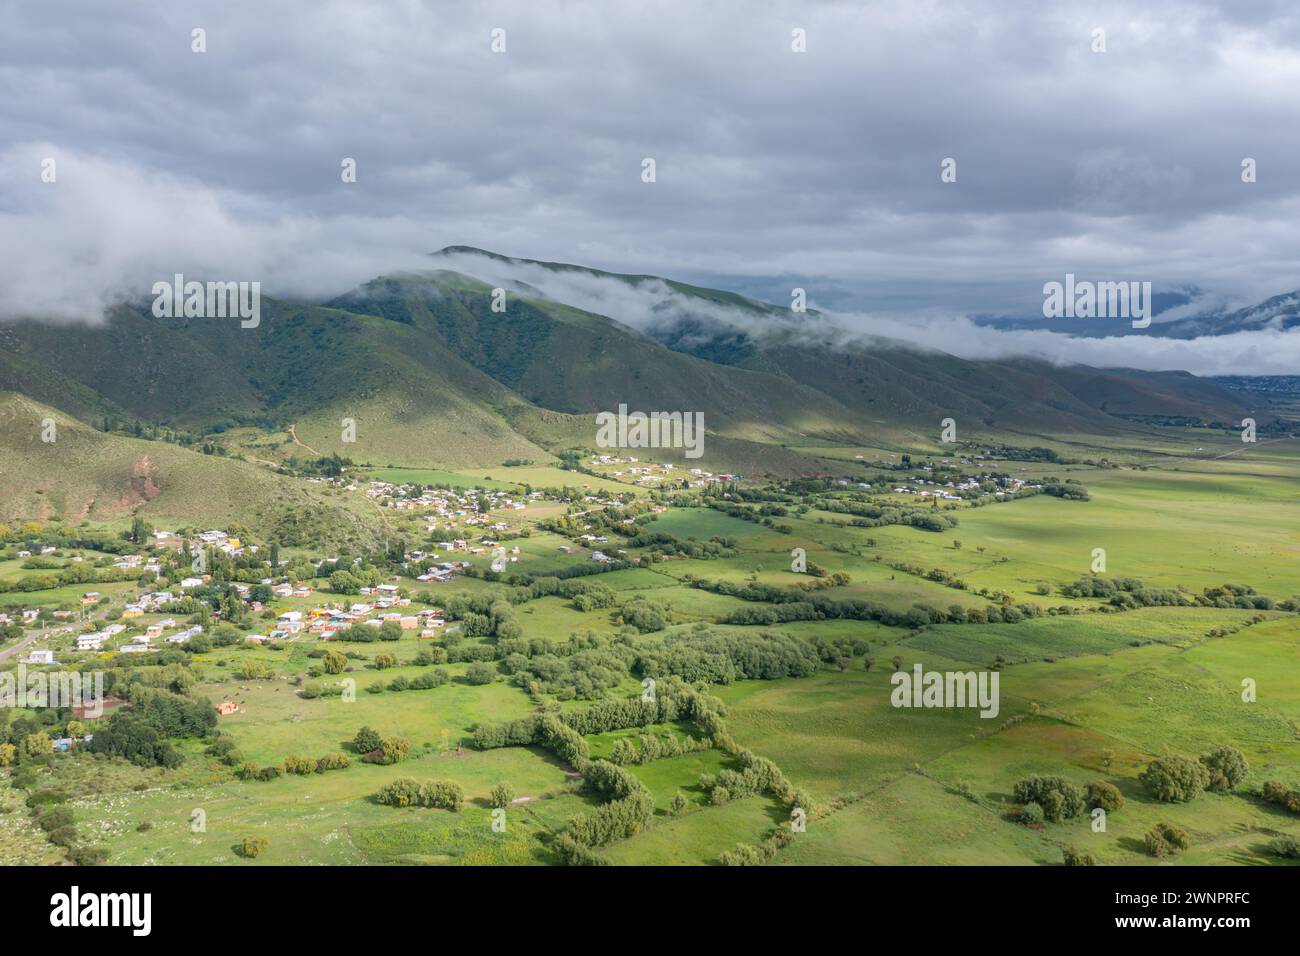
{"x": 1090, "y": 686}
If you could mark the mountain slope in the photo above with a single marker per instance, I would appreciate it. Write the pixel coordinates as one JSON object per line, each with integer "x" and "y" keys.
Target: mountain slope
{"x": 576, "y": 362}
{"x": 87, "y": 474}
{"x": 880, "y": 382}
{"x": 427, "y": 372}
{"x": 1279, "y": 313}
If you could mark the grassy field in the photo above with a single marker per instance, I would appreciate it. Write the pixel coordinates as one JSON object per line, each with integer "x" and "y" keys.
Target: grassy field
{"x": 1091, "y": 695}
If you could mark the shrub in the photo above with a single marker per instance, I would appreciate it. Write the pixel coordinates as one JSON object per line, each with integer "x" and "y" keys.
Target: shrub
{"x": 1285, "y": 846}
{"x": 1104, "y": 795}
{"x": 744, "y": 855}
{"x": 1031, "y": 814}
{"x": 405, "y": 792}
{"x": 1165, "y": 838}
{"x": 1281, "y": 795}
{"x": 481, "y": 672}
{"x": 1059, "y": 798}
{"x": 1074, "y": 857}
{"x": 335, "y": 761}
{"x": 390, "y": 750}
{"x": 366, "y": 740}
{"x": 1227, "y": 768}
{"x": 1175, "y": 779}
{"x": 46, "y": 797}
{"x": 54, "y": 818}
{"x": 502, "y": 795}
{"x": 300, "y": 765}
{"x": 252, "y": 847}
{"x": 429, "y": 679}
{"x": 334, "y": 662}
{"x": 89, "y": 855}
{"x": 1155, "y": 842}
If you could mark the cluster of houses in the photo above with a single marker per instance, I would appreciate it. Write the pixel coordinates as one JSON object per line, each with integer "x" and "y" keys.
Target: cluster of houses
{"x": 640, "y": 474}
{"x": 709, "y": 478}
{"x": 443, "y": 571}
{"x": 651, "y": 473}
{"x": 140, "y": 643}
{"x": 445, "y": 504}
{"x": 947, "y": 490}
{"x": 147, "y": 603}
{"x": 326, "y": 621}
{"x": 221, "y": 541}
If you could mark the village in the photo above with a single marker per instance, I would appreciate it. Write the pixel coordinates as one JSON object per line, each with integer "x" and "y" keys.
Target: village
{"x": 649, "y": 474}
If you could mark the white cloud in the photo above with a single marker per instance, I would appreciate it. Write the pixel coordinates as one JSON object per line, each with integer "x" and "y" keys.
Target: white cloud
{"x": 821, "y": 167}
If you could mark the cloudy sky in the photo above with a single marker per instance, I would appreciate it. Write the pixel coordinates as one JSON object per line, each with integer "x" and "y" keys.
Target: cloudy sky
{"x": 774, "y": 168}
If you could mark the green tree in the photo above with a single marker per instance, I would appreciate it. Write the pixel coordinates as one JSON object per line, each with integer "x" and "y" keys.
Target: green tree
{"x": 1227, "y": 767}
{"x": 480, "y": 672}
{"x": 334, "y": 662}
{"x": 1104, "y": 795}
{"x": 1175, "y": 779}
{"x": 140, "y": 530}
{"x": 38, "y": 744}
{"x": 367, "y": 740}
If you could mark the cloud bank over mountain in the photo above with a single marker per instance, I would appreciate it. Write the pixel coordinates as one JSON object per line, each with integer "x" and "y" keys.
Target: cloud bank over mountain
{"x": 821, "y": 167}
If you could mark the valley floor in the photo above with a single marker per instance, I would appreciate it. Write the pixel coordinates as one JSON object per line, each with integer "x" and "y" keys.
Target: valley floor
{"x": 1087, "y": 692}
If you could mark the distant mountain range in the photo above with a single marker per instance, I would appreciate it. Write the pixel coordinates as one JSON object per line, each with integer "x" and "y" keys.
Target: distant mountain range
{"x": 433, "y": 376}
{"x": 1279, "y": 313}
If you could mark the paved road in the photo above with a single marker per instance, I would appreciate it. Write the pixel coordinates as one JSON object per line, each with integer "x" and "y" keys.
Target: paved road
{"x": 21, "y": 645}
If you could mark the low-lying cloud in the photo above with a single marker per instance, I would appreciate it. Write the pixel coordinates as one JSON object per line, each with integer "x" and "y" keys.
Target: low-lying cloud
{"x": 649, "y": 304}
{"x": 775, "y": 168}
{"x": 105, "y": 230}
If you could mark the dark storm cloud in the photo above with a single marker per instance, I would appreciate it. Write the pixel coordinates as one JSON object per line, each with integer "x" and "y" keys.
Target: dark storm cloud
{"x": 821, "y": 166}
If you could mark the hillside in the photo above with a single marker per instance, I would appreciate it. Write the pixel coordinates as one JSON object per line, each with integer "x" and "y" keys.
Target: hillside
{"x": 883, "y": 384}
{"x": 432, "y": 376}
{"x": 88, "y": 475}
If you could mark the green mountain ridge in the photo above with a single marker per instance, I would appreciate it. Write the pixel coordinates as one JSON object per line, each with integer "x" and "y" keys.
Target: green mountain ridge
{"x": 85, "y": 474}
{"x": 424, "y": 373}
